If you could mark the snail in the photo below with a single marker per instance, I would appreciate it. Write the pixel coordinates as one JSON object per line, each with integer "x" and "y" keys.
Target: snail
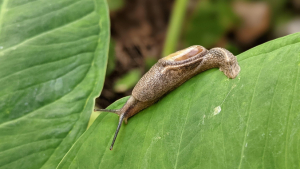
{"x": 169, "y": 73}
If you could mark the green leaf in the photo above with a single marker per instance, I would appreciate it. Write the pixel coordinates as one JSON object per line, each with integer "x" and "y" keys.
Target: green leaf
{"x": 111, "y": 61}
{"x": 115, "y": 5}
{"x": 53, "y": 57}
{"x": 127, "y": 81}
{"x": 210, "y": 121}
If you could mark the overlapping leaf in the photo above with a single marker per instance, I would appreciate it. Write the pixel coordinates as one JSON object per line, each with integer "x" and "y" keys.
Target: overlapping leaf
{"x": 52, "y": 65}
{"x": 210, "y": 121}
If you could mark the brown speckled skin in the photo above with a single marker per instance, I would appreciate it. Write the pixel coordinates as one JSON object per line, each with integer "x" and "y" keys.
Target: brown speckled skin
{"x": 166, "y": 75}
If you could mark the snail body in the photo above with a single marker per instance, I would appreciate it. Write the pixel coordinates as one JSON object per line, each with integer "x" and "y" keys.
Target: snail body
{"x": 169, "y": 73}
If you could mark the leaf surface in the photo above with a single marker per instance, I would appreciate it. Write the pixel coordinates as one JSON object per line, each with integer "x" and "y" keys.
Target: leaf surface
{"x": 210, "y": 121}
{"x": 53, "y": 57}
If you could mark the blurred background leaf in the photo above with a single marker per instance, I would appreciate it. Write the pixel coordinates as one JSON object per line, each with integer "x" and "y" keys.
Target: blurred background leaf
{"x": 111, "y": 62}
{"x": 115, "y": 4}
{"x": 209, "y": 23}
{"x": 128, "y": 81}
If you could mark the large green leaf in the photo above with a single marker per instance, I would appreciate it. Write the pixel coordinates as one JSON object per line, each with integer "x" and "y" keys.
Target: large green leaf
{"x": 256, "y": 126}
{"x": 53, "y": 57}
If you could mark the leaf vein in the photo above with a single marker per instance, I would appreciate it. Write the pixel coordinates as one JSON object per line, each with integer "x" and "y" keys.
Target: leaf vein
{"x": 247, "y": 124}
{"x": 24, "y": 116}
{"x": 38, "y": 16}
{"x": 22, "y": 158}
{"x": 182, "y": 131}
{"x": 271, "y": 107}
{"x": 288, "y": 118}
{"x": 23, "y": 4}
{"x": 2, "y": 11}
{"x": 19, "y": 146}
{"x": 42, "y": 64}
{"x": 45, "y": 33}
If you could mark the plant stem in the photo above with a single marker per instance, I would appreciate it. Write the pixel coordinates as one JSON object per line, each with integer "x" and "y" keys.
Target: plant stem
{"x": 175, "y": 26}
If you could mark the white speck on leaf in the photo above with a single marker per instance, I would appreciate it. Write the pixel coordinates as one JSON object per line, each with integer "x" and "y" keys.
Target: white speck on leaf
{"x": 157, "y": 138}
{"x": 217, "y": 110}
{"x": 1, "y": 47}
{"x": 246, "y": 144}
